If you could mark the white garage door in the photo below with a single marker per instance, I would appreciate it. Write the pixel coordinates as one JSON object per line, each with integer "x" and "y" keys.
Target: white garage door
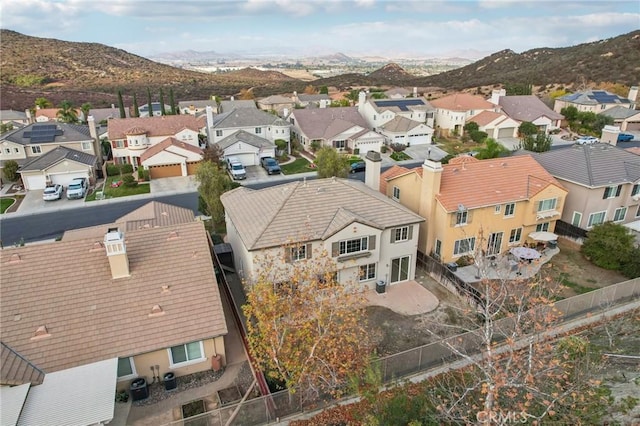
{"x": 34, "y": 182}
{"x": 507, "y": 132}
{"x": 64, "y": 178}
{"x": 249, "y": 159}
{"x": 417, "y": 140}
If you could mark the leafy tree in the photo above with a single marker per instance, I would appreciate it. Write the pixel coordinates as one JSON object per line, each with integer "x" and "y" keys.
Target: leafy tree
{"x": 557, "y": 93}
{"x": 304, "y": 328}
{"x": 172, "y": 101}
{"x": 214, "y": 181}
{"x": 324, "y": 90}
{"x": 123, "y": 113}
{"x": 246, "y": 94}
{"x": 631, "y": 266}
{"x": 570, "y": 113}
{"x": 518, "y": 89}
{"x": 136, "y": 109}
{"x": 106, "y": 148}
{"x": 149, "y": 103}
{"x": 471, "y": 126}
{"x": 340, "y": 103}
{"x": 540, "y": 143}
{"x": 330, "y": 163}
{"x": 67, "y": 113}
{"x": 527, "y": 128}
{"x": 601, "y": 121}
{"x": 609, "y": 245}
{"x": 352, "y": 96}
{"x": 477, "y": 136}
{"x": 10, "y": 170}
{"x": 162, "y": 110}
{"x": 310, "y": 90}
{"x": 213, "y": 154}
{"x": 378, "y": 95}
{"x": 5, "y": 127}
{"x": 493, "y": 149}
{"x": 85, "y": 108}
{"x": 43, "y": 103}
{"x": 281, "y": 144}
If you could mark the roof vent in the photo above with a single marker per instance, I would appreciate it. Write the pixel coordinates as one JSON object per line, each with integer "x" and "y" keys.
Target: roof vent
{"x": 504, "y": 164}
{"x": 17, "y": 317}
{"x": 164, "y": 214}
{"x": 173, "y": 235}
{"x": 97, "y": 246}
{"x": 166, "y": 289}
{"x": 40, "y": 333}
{"x": 15, "y": 258}
{"x": 156, "y": 311}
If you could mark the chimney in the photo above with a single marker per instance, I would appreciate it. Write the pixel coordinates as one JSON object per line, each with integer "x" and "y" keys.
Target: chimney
{"x": 323, "y": 103}
{"x": 285, "y": 112}
{"x": 209, "y": 113}
{"x": 610, "y": 135}
{"x": 372, "y": 170}
{"x": 633, "y": 96}
{"x": 117, "y": 253}
{"x": 415, "y": 92}
{"x": 496, "y": 95}
{"x": 233, "y": 99}
{"x": 431, "y": 179}
{"x": 96, "y": 142}
{"x": 362, "y": 98}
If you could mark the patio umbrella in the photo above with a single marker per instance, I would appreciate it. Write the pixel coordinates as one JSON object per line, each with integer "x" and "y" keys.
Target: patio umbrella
{"x": 525, "y": 253}
{"x": 543, "y": 236}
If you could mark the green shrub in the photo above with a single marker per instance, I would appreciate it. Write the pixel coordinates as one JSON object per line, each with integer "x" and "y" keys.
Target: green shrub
{"x": 478, "y": 136}
{"x": 10, "y": 170}
{"x": 129, "y": 181}
{"x": 146, "y": 175}
{"x": 126, "y": 168}
{"x": 113, "y": 169}
{"x": 315, "y": 145}
{"x": 383, "y": 149}
{"x": 140, "y": 173}
{"x": 398, "y": 147}
{"x": 356, "y": 151}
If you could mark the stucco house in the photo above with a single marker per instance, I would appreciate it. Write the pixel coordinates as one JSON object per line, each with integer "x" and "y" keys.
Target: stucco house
{"x": 231, "y": 104}
{"x": 102, "y": 115}
{"x": 453, "y": 111}
{"x": 277, "y": 103}
{"x": 603, "y": 182}
{"x": 130, "y": 138}
{"x": 527, "y": 108}
{"x": 305, "y": 100}
{"x": 247, "y": 147}
{"x": 156, "y": 110}
{"x": 623, "y": 117}
{"x": 378, "y": 112}
{"x": 342, "y": 128}
{"x": 197, "y": 107}
{"x": 17, "y": 118}
{"x": 473, "y": 205}
{"x": 368, "y": 236}
{"x": 122, "y": 300}
{"x": 595, "y": 101}
{"x": 28, "y": 144}
{"x": 399, "y": 93}
{"x": 496, "y": 124}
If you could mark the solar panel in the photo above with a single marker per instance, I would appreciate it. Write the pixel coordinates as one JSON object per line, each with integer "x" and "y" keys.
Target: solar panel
{"x": 43, "y": 133}
{"x": 403, "y": 104}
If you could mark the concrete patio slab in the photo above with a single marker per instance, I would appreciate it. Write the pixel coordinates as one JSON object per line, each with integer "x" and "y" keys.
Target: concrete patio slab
{"x": 407, "y": 298}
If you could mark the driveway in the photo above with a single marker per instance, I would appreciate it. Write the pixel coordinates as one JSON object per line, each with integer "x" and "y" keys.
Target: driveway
{"x": 33, "y": 203}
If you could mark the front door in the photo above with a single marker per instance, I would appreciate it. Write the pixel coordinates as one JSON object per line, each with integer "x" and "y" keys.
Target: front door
{"x": 400, "y": 269}
{"x": 494, "y": 243}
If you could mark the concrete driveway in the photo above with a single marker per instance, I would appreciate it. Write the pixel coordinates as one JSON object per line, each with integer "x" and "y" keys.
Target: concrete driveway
{"x": 33, "y": 203}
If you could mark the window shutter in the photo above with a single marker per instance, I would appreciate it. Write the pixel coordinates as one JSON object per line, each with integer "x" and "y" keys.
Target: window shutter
{"x": 618, "y": 190}
{"x": 393, "y": 235}
{"x": 410, "y": 233}
{"x": 287, "y": 254}
{"x": 114, "y": 144}
{"x": 335, "y": 249}
{"x": 308, "y": 251}
{"x": 372, "y": 242}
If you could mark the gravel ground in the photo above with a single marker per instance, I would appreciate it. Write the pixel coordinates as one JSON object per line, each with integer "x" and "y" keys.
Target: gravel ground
{"x": 157, "y": 392}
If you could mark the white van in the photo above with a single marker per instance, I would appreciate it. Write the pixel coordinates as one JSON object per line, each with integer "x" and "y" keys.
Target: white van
{"x": 236, "y": 169}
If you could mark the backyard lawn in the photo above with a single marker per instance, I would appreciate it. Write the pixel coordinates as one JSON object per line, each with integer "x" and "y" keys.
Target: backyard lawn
{"x": 5, "y": 203}
{"x": 455, "y": 146}
{"x": 300, "y": 165}
{"x": 110, "y": 191}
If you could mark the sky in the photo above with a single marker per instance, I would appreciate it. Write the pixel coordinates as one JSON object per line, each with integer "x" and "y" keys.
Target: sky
{"x": 388, "y": 28}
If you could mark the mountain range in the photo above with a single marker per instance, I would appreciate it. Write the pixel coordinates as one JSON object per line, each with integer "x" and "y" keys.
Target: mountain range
{"x": 34, "y": 67}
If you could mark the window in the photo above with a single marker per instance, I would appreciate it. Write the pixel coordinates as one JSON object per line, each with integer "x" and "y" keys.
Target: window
{"x": 461, "y": 218}
{"x": 638, "y": 212}
{"x": 438, "y": 249}
{"x": 126, "y": 368}
{"x": 498, "y": 208}
{"x": 299, "y": 253}
{"x": 119, "y": 144}
{"x": 16, "y": 150}
{"x": 509, "y": 209}
{"x": 619, "y": 214}
{"x": 35, "y": 149}
{"x": 401, "y": 234}
{"x": 635, "y": 190}
{"x": 596, "y": 219}
{"x": 577, "y": 218}
{"x": 368, "y": 272}
{"x": 542, "y": 227}
{"x": 7, "y": 151}
{"x": 464, "y": 246}
{"x": 190, "y": 352}
{"x": 354, "y": 246}
{"x": 258, "y": 130}
{"x": 548, "y": 204}
{"x": 515, "y": 235}
{"x": 396, "y": 193}
{"x": 612, "y": 192}
{"x": 339, "y": 144}
{"x": 86, "y": 146}
{"x": 218, "y": 133}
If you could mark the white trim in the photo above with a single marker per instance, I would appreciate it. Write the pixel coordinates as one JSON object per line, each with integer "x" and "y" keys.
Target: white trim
{"x": 202, "y": 358}
{"x": 133, "y": 374}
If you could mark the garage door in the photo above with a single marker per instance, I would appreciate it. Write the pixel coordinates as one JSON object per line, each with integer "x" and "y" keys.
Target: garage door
{"x": 417, "y": 140}
{"x": 192, "y": 167}
{"x": 172, "y": 170}
{"x": 65, "y": 178}
{"x": 507, "y": 132}
{"x": 249, "y": 159}
{"x": 34, "y": 182}
{"x": 633, "y": 125}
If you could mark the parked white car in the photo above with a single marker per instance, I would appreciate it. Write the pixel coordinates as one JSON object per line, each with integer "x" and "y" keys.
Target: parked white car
{"x": 77, "y": 188}
{"x": 587, "y": 140}
{"x": 53, "y": 192}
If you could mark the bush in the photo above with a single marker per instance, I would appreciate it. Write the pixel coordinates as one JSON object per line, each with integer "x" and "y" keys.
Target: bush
{"x": 356, "y": 151}
{"x": 113, "y": 169}
{"x": 146, "y": 175}
{"x": 281, "y": 144}
{"x": 129, "y": 181}
{"x": 478, "y": 136}
{"x": 10, "y": 170}
{"x": 315, "y": 145}
{"x": 398, "y": 147}
{"x": 140, "y": 173}
{"x": 609, "y": 246}
{"x": 126, "y": 168}
{"x": 383, "y": 149}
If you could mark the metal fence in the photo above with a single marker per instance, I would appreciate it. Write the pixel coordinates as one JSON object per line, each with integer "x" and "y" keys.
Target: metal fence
{"x": 568, "y": 230}
{"x": 271, "y": 408}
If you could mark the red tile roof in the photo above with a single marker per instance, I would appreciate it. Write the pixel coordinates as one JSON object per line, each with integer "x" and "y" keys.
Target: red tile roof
{"x": 159, "y": 147}
{"x": 389, "y": 174}
{"x": 167, "y": 125}
{"x": 462, "y": 102}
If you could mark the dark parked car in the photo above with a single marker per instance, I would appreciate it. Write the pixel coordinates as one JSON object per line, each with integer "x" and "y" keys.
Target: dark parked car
{"x": 358, "y": 166}
{"x": 270, "y": 165}
{"x": 625, "y": 137}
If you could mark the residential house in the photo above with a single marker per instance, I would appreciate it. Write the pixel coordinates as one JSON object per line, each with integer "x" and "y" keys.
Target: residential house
{"x": 156, "y": 110}
{"x": 476, "y": 206}
{"x": 198, "y": 108}
{"x": 102, "y": 115}
{"x": 305, "y": 100}
{"x": 230, "y": 105}
{"x": 378, "y": 112}
{"x": 44, "y": 115}
{"x": 453, "y": 111}
{"x": 497, "y": 125}
{"x": 28, "y": 144}
{"x": 406, "y": 132}
{"x": 399, "y": 93}
{"x": 114, "y": 294}
{"x": 370, "y": 237}
{"x": 17, "y": 118}
{"x": 342, "y": 128}
{"x": 626, "y": 118}
{"x": 276, "y": 103}
{"x": 603, "y": 183}
{"x": 527, "y": 108}
{"x": 131, "y": 137}
{"x": 595, "y": 101}
{"x": 260, "y": 131}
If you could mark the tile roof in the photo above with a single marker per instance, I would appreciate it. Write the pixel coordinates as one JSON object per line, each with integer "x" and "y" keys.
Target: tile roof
{"x": 390, "y": 173}
{"x": 634, "y": 150}
{"x": 57, "y": 155}
{"x": 324, "y": 123}
{"x": 303, "y": 97}
{"x": 527, "y": 108}
{"x": 487, "y": 117}
{"x": 401, "y": 105}
{"x": 462, "y": 102}
{"x": 246, "y": 117}
{"x": 226, "y": 106}
{"x": 168, "y": 142}
{"x": 397, "y": 91}
{"x": 50, "y": 113}
{"x": 9, "y": 114}
{"x": 88, "y": 316}
{"x": 594, "y": 97}
{"x": 275, "y": 99}
{"x": 16, "y": 370}
{"x": 309, "y": 210}
{"x": 400, "y": 124}
{"x": 246, "y": 137}
{"x": 199, "y": 104}
{"x": 102, "y": 114}
{"x": 592, "y": 165}
{"x": 620, "y": 112}
{"x": 66, "y": 133}
{"x": 476, "y": 184}
{"x": 167, "y": 125}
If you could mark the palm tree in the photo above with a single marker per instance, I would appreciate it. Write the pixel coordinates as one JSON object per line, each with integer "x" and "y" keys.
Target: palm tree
{"x": 67, "y": 112}
{"x": 85, "y": 108}
{"x": 42, "y": 103}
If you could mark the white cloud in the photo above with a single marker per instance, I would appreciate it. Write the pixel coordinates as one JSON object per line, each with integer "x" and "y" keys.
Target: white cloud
{"x": 50, "y": 17}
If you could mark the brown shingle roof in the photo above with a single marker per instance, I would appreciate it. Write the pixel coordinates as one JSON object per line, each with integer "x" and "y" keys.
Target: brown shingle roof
{"x": 167, "y": 125}
{"x": 16, "y": 370}
{"x": 159, "y": 147}
{"x": 489, "y": 182}
{"x": 305, "y": 211}
{"x": 462, "y": 102}
{"x": 89, "y": 316}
